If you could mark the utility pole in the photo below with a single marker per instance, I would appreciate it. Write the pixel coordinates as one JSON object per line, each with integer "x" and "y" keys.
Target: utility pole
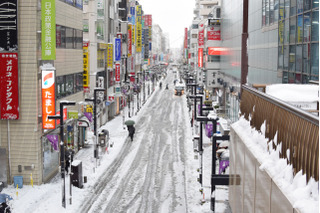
{"x": 62, "y": 157}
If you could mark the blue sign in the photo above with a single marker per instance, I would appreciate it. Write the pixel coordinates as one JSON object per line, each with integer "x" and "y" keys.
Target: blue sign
{"x": 132, "y": 11}
{"x": 150, "y": 46}
{"x": 117, "y": 49}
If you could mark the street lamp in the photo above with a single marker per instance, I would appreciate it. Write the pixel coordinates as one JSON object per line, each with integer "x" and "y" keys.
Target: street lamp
{"x": 94, "y": 100}
{"x": 62, "y": 157}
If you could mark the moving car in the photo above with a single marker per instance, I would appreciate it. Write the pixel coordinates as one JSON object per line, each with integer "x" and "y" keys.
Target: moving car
{"x": 179, "y": 89}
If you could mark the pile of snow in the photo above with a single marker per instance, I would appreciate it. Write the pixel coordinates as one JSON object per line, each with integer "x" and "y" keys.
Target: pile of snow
{"x": 304, "y": 196}
{"x": 304, "y": 96}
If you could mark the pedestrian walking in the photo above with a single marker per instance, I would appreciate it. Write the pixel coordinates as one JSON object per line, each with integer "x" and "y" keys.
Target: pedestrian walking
{"x": 131, "y": 130}
{"x": 67, "y": 160}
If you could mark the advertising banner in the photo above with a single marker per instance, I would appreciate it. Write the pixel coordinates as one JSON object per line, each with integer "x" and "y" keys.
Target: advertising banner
{"x": 8, "y": 28}
{"x": 213, "y": 33}
{"x": 48, "y": 29}
{"x": 129, "y": 40}
{"x": 117, "y": 49}
{"x": 110, "y": 55}
{"x": 139, "y": 28}
{"x": 9, "y": 86}
{"x": 185, "y": 38}
{"x": 201, "y": 36}
{"x": 200, "y": 57}
{"x": 133, "y": 34}
{"x": 86, "y": 65}
{"x": 48, "y": 99}
{"x": 117, "y": 72}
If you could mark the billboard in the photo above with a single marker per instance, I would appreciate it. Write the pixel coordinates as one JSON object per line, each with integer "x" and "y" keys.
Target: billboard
{"x": 117, "y": 49}
{"x": 129, "y": 40}
{"x": 48, "y": 99}
{"x": 200, "y": 57}
{"x": 110, "y": 55}
{"x": 139, "y": 28}
{"x": 213, "y": 33}
{"x": 86, "y": 65}
{"x": 201, "y": 36}
{"x": 117, "y": 72}
{"x": 9, "y": 86}
{"x": 8, "y": 28}
{"x": 48, "y": 29}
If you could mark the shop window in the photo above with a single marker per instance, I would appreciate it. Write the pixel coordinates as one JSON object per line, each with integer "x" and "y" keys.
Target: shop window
{"x": 291, "y": 77}
{"x": 79, "y": 82}
{"x": 60, "y": 36}
{"x": 315, "y": 59}
{"x": 293, "y": 7}
{"x": 285, "y": 77}
{"x": 299, "y": 58}
{"x": 306, "y": 58}
{"x": 307, "y": 27}
{"x": 299, "y": 6}
{"x": 293, "y": 25}
{"x": 50, "y": 158}
{"x": 70, "y": 84}
{"x": 298, "y": 78}
{"x": 292, "y": 58}
{"x": 306, "y": 5}
{"x": 69, "y": 38}
{"x": 315, "y": 26}
{"x": 305, "y": 79}
{"x": 60, "y": 87}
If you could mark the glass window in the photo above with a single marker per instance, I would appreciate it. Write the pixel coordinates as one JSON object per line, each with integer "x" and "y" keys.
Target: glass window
{"x": 194, "y": 36}
{"x": 300, "y": 29}
{"x": 60, "y": 87}
{"x": 293, "y": 29}
{"x": 298, "y": 78}
{"x": 281, "y": 32}
{"x": 315, "y": 59}
{"x": 306, "y": 27}
{"x": 306, "y": 58}
{"x": 286, "y": 31}
{"x": 292, "y": 58}
{"x": 69, "y": 38}
{"x": 280, "y": 57}
{"x": 267, "y": 12}
{"x": 60, "y": 36}
{"x": 299, "y": 6}
{"x": 286, "y": 57}
{"x": 281, "y": 10}
{"x": 276, "y": 10}
{"x": 291, "y": 77}
{"x": 315, "y": 3}
{"x": 287, "y": 8}
{"x": 70, "y": 84}
{"x": 305, "y": 79}
{"x": 213, "y": 58}
{"x": 50, "y": 156}
{"x": 307, "y": 5}
{"x": 263, "y": 12}
{"x": 285, "y": 77}
{"x": 79, "y": 81}
{"x": 79, "y": 39}
{"x": 299, "y": 58}
{"x": 293, "y": 7}
{"x": 315, "y": 26}
{"x": 271, "y": 11}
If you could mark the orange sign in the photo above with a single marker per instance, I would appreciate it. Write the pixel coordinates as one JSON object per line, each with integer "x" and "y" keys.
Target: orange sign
{"x": 48, "y": 99}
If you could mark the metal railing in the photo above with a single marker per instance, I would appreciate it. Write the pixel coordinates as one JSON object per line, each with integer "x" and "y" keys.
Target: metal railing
{"x": 296, "y": 129}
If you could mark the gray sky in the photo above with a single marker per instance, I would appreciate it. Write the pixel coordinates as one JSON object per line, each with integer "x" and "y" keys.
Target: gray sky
{"x": 172, "y": 16}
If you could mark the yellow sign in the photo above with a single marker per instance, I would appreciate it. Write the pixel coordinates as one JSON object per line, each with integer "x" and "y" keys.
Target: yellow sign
{"x": 110, "y": 56}
{"x": 85, "y": 66}
{"x": 133, "y": 34}
{"x": 89, "y": 108}
{"x": 139, "y": 37}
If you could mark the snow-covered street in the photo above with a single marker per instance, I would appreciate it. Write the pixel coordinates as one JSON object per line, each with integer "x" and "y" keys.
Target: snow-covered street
{"x": 156, "y": 172}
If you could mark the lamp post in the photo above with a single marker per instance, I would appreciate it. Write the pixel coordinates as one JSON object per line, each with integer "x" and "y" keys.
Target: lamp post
{"x": 94, "y": 100}
{"x": 62, "y": 157}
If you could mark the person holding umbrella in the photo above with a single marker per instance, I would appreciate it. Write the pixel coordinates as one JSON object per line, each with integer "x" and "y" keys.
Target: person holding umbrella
{"x": 131, "y": 128}
{"x": 4, "y": 207}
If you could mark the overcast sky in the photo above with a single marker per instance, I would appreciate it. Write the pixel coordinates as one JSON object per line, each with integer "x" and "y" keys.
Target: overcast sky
{"x": 172, "y": 16}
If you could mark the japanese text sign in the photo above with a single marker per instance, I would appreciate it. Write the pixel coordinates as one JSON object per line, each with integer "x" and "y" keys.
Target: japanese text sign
{"x": 48, "y": 99}
{"x": 48, "y": 29}
{"x": 117, "y": 72}
{"x": 8, "y": 27}
{"x": 9, "y": 86}
{"x": 109, "y": 55}
{"x": 117, "y": 49}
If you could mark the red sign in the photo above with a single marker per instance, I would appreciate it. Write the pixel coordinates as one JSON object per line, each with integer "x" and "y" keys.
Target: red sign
{"x": 65, "y": 115}
{"x": 9, "y": 86}
{"x": 111, "y": 98}
{"x": 48, "y": 99}
{"x": 200, "y": 57}
{"x": 214, "y": 33}
{"x": 186, "y": 38}
{"x": 129, "y": 40}
{"x": 132, "y": 75}
{"x": 201, "y": 36}
{"x": 217, "y": 51}
{"x": 117, "y": 72}
{"x": 148, "y": 20}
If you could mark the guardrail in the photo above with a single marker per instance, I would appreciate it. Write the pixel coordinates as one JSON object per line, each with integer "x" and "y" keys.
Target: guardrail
{"x": 297, "y": 129}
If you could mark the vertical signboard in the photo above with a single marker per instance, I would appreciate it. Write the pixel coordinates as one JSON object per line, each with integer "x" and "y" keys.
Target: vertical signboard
{"x": 9, "y": 86}
{"x": 129, "y": 40}
{"x": 117, "y": 72}
{"x": 185, "y": 38}
{"x": 110, "y": 56}
{"x": 48, "y": 29}
{"x": 201, "y": 36}
{"x": 139, "y": 28}
{"x": 117, "y": 49}
{"x": 86, "y": 66}
{"x": 200, "y": 57}
{"x": 48, "y": 99}
{"x": 8, "y": 28}
{"x": 214, "y": 33}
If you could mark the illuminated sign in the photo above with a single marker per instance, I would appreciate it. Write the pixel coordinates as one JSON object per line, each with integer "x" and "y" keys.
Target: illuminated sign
{"x": 48, "y": 99}
{"x": 200, "y": 57}
{"x": 217, "y": 51}
{"x": 86, "y": 65}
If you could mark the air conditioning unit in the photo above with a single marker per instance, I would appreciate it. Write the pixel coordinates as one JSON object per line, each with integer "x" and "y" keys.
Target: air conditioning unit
{"x": 216, "y": 12}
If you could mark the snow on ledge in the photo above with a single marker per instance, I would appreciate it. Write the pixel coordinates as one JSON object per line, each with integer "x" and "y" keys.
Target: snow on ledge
{"x": 303, "y": 196}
